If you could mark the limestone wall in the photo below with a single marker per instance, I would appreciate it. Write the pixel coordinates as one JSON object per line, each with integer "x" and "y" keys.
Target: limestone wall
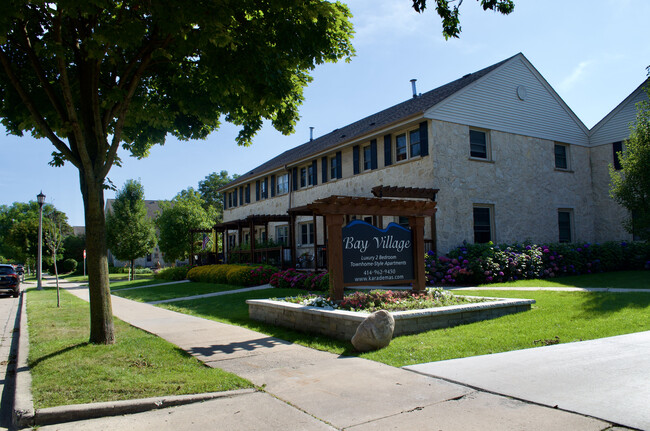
{"x": 608, "y": 215}
{"x": 520, "y": 182}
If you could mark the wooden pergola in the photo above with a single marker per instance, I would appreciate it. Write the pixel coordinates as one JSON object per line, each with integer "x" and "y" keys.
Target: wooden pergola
{"x": 335, "y": 208}
{"x": 250, "y": 222}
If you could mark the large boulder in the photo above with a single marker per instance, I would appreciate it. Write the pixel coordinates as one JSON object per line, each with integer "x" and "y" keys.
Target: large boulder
{"x": 374, "y": 332}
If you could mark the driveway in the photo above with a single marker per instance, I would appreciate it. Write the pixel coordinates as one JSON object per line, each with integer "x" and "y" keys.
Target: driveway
{"x": 608, "y": 378}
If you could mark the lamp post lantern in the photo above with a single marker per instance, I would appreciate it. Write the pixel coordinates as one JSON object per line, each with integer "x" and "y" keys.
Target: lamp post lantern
{"x": 39, "y": 265}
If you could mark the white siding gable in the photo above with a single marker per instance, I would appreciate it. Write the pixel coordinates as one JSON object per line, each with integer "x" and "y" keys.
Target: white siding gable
{"x": 492, "y": 102}
{"x": 616, "y": 125}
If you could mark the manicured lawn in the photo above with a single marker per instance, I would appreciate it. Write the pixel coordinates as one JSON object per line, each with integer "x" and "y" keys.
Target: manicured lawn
{"x": 67, "y": 370}
{"x": 622, "y": 279}
{"x": 115, "y": 285}
{"x": 232, "y": 309}
{"x": 112, "y": 277}
{"x": 571, "y": 316}
{"x": 155, "y": 293}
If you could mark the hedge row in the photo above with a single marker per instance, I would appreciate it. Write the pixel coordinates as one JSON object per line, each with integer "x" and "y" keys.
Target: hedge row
{"x": 176, "y": 273}
{"x": 238, "y": 275}
{"x": 472, "y": 264}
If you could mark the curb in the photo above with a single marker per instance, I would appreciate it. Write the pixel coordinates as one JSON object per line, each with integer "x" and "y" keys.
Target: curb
{"x": 23, "y": 411}
{"x": 24, "y": 415}
{"x": 78, "y": 412}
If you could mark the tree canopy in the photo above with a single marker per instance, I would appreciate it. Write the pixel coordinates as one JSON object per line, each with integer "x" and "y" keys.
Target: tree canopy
{"x": 130, "y": 232}
{"x": 209, "y": 189}
{"x": 19, "y": 230}
{"x": 186, "y": 211}
{"x": 451, "y": 15}
{"x": 630, "y": 186}
{"x": 93, "y": 76}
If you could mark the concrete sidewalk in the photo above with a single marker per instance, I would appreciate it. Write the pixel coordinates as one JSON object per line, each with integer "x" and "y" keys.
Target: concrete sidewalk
{"x": 309, "y": 389}
{"x": 605, "y": 378}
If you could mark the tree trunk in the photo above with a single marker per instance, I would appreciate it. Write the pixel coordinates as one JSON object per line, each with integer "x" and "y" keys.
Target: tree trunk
{"x": 132, "y": 273}
{"x": 101, "y": 312}
{"x": 56, "y": 274}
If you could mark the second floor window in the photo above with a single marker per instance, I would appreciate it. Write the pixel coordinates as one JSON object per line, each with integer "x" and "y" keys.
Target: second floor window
{"x": 303, "y": 177}
{"x": 478, "y": 144}
{"x": 400, "y": 147}
{"x": 367, "y": 158}
{"x": 561, "y": 156}
{"x": 282, "y": 184}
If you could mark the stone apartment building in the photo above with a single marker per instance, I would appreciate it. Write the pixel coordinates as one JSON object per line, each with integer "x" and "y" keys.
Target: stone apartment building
{"x": 502, "y": 155}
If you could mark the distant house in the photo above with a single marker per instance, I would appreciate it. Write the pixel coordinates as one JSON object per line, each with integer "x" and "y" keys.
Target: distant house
{"x": 500, "y": 152}
{"x": 150, "y": 260}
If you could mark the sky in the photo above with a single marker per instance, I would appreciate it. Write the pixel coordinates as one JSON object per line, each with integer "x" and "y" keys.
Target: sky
{"x": 594, "y": 53}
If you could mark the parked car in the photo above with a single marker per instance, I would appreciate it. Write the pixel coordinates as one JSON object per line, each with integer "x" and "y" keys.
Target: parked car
{"x": 20, "y": 269}
{"x": 9, "y": 280}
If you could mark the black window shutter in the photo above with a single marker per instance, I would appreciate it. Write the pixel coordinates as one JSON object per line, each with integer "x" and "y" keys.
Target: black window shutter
{"x": 234, "y": 195}
{"x": 339, "y": 165}
{"x": 617, "y": 148}
{"x": 355, "y": 159}
{"x": 314, "y": 172}
{"x": 266, "y": 188}
{"x": 373, "y": 154}
{"x": 323, "y": 168}
{"x": 388, "y": 150}
{"x": 241, "y": 195}
{"x": 225, "y": 202}
{"x": 257, "y": 190}
{"x": 424, "y": 139}
{"x": 272, "y": 185}
{"x": 248, "y": 193}
{"x": 294, "y": 179}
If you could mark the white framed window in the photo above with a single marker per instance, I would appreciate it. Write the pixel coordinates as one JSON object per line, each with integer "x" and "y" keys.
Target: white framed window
{"x": 414, "y": 143}
{"x": 483, "y": 223}
{"x": 282, "y": 184}
{"x": 479, "y": 144}
{"x": 282, "y": 235}
{"x": 562, "y": 159}
{"x": 310, "y": 175}
{"x": 307, "y": 233}
{"x": 400, "y": 147}
{"x": 303, "y": 177}
{"x": 367, "y": 158}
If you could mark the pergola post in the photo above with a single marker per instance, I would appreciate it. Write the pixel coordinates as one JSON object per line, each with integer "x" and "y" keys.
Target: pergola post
{"x": 417, "y": 227}
{"x": 335, "y": 255}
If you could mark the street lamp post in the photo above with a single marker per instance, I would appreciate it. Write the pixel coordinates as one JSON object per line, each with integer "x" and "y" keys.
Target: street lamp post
{"x": 39, "y": 265}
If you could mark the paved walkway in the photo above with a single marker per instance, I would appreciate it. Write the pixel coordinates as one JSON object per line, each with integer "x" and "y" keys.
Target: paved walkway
{"x": 309, "y": 389}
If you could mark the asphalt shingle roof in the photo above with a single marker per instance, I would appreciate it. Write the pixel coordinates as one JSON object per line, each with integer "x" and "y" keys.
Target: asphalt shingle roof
{"x": 408, "y": 108}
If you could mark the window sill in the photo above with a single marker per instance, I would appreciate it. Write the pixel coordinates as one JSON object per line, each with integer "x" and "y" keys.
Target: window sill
{"x": 563, "y": 170}
{"x": 476, "y": 159}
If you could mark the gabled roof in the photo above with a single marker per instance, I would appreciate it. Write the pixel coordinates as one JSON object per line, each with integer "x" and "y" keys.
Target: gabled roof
{"x": 620, "y": 106}
{"x": 367, "y": 125}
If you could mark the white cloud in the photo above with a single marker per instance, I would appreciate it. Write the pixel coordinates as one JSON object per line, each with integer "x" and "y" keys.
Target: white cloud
{"x": 576, "y": 75}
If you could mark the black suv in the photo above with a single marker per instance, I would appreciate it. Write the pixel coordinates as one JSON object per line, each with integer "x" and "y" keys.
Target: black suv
{"x": 9, "y": 280}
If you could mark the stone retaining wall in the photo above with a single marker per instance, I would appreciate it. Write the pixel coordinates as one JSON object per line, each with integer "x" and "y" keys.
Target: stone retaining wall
{"x": 342, "y": 324}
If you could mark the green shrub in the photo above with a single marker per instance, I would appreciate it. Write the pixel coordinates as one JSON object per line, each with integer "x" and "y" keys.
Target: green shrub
{"x": 68, "y": 265}
{"x": 235, "y": 274}
{"x": 177, "y": 273}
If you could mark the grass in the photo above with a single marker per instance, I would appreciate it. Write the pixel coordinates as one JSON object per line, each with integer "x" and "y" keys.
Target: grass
{"x": 571, "y": 316}
{"x": 66, "y": 369}
{"x": 232, "y": 309}
{"x": 622, "y": 279}
{"x": 155, "y": 293}
{"x": 112, "y": 277}
{"x": 116, "y": 285}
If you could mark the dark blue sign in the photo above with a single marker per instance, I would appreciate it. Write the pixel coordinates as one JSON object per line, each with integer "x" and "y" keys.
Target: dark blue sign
{"x": 372, "y": 255}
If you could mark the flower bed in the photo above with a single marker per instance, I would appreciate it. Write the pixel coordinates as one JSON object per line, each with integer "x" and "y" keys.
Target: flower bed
{"x": 472, "y": 264}
{"x": 342, "y": 324}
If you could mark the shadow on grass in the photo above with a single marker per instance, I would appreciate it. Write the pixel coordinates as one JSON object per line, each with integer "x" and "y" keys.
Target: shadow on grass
{"x": 34, "y": 363}
{"x": 607, "y": 303}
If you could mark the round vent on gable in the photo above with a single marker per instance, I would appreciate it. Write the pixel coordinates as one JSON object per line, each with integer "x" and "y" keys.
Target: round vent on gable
{"x": 521, "y": 92}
